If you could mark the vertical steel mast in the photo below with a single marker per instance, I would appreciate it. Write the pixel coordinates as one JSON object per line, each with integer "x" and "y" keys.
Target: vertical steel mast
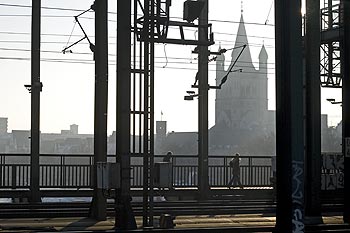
{"x": 35, "y": 89}
{"x": 101, "y": 101}
{"x": 203, "y": 88}
{"x": 148, "y": 21}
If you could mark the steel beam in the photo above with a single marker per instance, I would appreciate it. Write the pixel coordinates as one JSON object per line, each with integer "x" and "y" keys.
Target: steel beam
{"x": 35, "y": 102}
{"x": 289, "y": 117}
{"x": 346, "y": 108}
{"x": 123, "y": 216}
{"x": 203, "y": 178}
{"x": 148, "y": 111}
{"x": 101, "y": 102}
{"x": 312, "y": 41}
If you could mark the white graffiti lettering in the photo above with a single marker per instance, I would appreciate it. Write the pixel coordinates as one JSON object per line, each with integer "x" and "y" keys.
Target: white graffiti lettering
{"x": 297, "y": 196}
{"x": 297, "y": 221}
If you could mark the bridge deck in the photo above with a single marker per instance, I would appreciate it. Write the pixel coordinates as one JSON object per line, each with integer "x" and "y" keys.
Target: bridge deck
{"x": 240, "y": 221}
{"x": 178, "y": 191}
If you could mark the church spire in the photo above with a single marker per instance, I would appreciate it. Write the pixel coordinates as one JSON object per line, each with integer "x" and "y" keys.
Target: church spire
{"x": 220, "y": 65}
{"x": 241, "y": 39}
{"x": 263, "y": 60}
{"x": 263, "y": 54}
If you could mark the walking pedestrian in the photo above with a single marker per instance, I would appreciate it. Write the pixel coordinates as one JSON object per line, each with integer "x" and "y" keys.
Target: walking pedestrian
{"x": 168, "y": 157}
{"x": 236, "y": 173}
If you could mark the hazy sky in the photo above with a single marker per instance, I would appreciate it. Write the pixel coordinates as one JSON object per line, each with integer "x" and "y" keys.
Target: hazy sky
{"x": 68, "y": 79}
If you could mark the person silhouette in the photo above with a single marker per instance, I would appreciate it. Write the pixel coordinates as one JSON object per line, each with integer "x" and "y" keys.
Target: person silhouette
{"x": 167, "y": 157}
{"x": 236, "y": 173}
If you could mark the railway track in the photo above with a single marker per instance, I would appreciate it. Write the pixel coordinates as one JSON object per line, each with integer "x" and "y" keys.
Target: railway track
{"x": 212, "y": 207}
{"x": 81, "y": 209}
{"x": 175, "y": 208}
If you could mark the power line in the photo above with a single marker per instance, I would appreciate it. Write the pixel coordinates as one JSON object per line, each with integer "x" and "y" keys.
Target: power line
{"x": 47, "y": 34}
{"x": 114, "y": 21}
{"x": 228, "y": 42}
{"x": 43, "y": 42}
{"x": 230, "y": 21}
{"x": 186, "y": 60}
{"x": 113, "y": 37}
{"x": 113, "y": 43}
{"x": 46, "y": 8}
{"x": 252, "y": 23}
{"x": 90, "y": 62}
{"x": 80, "y": 10}
{"x": 233, "y": 34}
{"x": 55, "y": 16}
{"x": 48, "y": 51}
{"x": 44, "y": 16}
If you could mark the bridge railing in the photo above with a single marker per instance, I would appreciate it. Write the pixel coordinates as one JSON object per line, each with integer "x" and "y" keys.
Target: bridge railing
{"x": 75, "y": 171}
{"x": 255, "y": 171}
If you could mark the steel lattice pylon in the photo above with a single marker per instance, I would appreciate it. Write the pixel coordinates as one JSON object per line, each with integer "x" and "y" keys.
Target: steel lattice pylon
{"x": 141, "y": 24}
{"x": 331, "y": 46}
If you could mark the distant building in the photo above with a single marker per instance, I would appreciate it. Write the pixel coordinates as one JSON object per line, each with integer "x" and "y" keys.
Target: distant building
{"x": 20, "y": 141}
{"x": 181, "y": 143}
{"x": 5, "y": 138}
{"x": 241, "y": 105}
{"x": 3, "y": 125}
{"x": 161, "y": 134}
{"x": 65, "y": 132}
{"x": 242, "y": 117}
{"x": 74, "y": 129}
{"x": 66, "y": 142}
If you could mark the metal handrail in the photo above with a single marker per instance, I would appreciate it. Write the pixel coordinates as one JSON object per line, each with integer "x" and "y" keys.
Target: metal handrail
{"x": 62, "y": 174}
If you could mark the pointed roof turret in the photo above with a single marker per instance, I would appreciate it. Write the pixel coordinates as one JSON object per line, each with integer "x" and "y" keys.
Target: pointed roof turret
{"x": 220, "y": 57}
{"x": 263, "y": 54}
{"x": 241, "y": 39}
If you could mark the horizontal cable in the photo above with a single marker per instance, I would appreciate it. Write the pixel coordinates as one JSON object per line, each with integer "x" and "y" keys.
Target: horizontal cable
{"x": 76, "y": 61}
{"x": 188, "y": 60}
{"x": 80, "y": 10}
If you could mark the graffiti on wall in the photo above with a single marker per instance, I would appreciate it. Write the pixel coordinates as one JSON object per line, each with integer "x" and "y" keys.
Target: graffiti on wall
{"x": 332, "y": 171}
{"x": 298, "y": 196}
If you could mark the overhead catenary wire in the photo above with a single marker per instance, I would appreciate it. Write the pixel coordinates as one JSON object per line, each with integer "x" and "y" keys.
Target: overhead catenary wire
{"x": 109, "y": 12}
{"x": 114, "y": 43}
{"x": 156, "y": 62}
{"x": 185, "y": 29}
{"x": 48, "y": 34}
{"x": 113, "y": 37}
{"x": 90, "y": 62}
{"x": 223, "y": 80}
{"x": 268, "y": 15}
{"x": 79, "y": 10}
{"x": 46, "y": 7}
{"x": 75, "y": 23}
{"x": 185, "y": 61}
{"x": 42, "y": 42}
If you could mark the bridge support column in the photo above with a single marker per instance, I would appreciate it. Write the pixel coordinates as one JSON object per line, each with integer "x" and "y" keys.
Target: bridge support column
{"x": 289, "y": 117}
{"x": 312, "y": 43}
{"x": 203, "y": 176}
{"x": 35, "y": 103}
{"x": 346, "y": 107}
{"x": 124, "y": 218}
{"x": 99, "y": 206}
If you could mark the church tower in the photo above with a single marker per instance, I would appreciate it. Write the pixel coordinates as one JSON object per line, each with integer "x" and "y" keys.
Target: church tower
{"x": 220, "y": 72}
{"x": 241, "y": 103}
{"x": 263, "y": 72}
